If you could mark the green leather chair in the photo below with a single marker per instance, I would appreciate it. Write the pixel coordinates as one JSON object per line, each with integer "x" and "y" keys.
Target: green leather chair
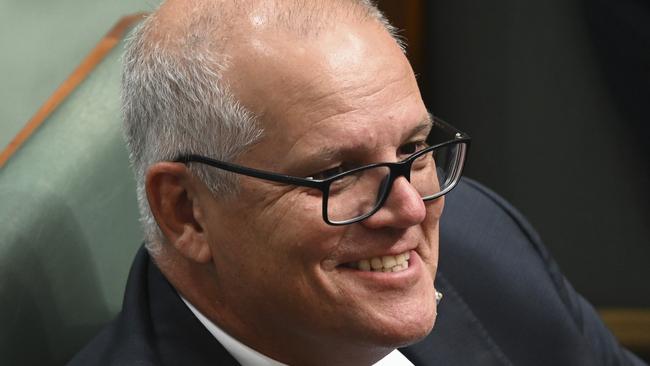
{"x": 68, "y": 222}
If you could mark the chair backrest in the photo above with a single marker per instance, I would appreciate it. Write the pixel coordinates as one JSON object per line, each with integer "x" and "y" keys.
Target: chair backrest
{"x": 68, "y": 218}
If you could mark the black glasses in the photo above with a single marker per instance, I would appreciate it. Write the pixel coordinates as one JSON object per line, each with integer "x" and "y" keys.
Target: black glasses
{"x": 356, "y": 194}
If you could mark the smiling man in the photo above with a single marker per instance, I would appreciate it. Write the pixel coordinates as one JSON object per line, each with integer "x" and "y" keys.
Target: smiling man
{"x": 320, "y": 244}
{"x": 291, "y": 183}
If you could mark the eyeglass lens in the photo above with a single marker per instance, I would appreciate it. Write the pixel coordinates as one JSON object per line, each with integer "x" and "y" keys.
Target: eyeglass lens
{"x": 355, "y": 195}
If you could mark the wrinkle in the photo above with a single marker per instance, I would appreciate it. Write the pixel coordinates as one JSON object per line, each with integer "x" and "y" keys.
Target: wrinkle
{"x": 368, "y": 133}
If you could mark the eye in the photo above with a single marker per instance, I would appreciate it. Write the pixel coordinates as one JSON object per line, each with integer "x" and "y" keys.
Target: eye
{"x": 412, "y": 147}
{"x": 327, "y": 173}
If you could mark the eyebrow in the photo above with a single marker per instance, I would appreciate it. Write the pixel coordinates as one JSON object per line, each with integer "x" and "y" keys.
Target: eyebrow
{"x": 326, "y": 153}
{"x": 424, "y": 125}
{"x": 329, "y": 153}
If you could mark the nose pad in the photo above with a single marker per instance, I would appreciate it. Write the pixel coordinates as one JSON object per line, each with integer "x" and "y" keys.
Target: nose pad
{"x": 386, "y": 183}
{"x": 383, "y": 186}
{"x": 403, "y": 207}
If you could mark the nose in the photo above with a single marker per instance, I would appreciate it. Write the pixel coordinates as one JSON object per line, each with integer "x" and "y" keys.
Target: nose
{"x": 403, "y": 208}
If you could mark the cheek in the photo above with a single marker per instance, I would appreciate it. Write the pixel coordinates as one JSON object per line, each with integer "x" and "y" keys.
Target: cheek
{"x": 296, "y": 220}
{"x": 276, "y": 258}
{"x": 299, "y": 244}
{"x": 280, "y": 230}
{"x": 430, "y": 228}
{"x": 435, "y": 209}
{"x": 430, "y": 225}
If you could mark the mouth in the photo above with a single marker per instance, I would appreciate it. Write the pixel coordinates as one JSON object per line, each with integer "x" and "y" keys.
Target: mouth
{"x": 386, "y": 263}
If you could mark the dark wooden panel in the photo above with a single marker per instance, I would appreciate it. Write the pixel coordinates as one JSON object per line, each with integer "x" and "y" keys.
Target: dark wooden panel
{"x": 408, "y": 17}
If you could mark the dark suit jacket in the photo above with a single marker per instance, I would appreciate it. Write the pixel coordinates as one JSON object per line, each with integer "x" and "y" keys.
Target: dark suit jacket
{"x": 505, "y": 303}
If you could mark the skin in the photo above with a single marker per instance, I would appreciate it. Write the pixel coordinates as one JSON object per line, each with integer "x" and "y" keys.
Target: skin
{"x": 264, "y": 266}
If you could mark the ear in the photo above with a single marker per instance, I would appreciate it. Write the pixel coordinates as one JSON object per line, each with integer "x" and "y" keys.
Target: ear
{"x": 173, "y": 193}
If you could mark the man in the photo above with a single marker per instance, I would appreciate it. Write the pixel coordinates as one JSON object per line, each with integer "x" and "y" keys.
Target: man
{"x": 291, "y": 184}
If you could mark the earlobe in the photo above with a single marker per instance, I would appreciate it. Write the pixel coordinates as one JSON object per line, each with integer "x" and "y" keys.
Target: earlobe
{"x": 173, "y": 203}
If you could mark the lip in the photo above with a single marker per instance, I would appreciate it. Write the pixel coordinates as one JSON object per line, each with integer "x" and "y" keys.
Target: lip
{"x": 383, "y": 280}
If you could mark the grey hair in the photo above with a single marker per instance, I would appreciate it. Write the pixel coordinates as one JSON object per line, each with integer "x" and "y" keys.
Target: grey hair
{"x": 174, "y": 101}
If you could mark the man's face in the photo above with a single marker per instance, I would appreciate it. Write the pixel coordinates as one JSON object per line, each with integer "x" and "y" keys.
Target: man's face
{"x": 345, "y": 98}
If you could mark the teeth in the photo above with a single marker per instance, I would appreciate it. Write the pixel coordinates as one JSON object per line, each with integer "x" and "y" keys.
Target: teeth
{"x": 387, "y": 263}
{"x": 364, "y": 265}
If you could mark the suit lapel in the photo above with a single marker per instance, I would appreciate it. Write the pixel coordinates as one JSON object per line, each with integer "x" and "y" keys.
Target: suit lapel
{"x": 172, "y": 334}
{"x": 458, "y": 337}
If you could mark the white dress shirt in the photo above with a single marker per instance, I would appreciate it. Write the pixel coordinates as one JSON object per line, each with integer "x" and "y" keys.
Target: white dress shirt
{"x": 247, "y": 356}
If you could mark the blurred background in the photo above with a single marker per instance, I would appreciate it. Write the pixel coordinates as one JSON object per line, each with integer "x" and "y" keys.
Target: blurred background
{"x": 555, "y": 95}
{"x": 42, "y": 42}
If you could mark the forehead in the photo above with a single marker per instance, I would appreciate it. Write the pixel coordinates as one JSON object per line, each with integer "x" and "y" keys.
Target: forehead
{"x": 350, "y": 85}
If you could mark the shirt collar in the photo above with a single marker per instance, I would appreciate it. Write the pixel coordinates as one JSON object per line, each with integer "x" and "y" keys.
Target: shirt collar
{"x": 247, "y": 356}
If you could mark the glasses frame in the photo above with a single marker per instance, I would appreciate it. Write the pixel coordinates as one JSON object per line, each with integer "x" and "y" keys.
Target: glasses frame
{"x": 396, "y": 170}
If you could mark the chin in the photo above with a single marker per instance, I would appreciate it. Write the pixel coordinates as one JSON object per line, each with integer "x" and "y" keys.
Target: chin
{"x": 415, "y": 333}
{"x": 406, "y": 328}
